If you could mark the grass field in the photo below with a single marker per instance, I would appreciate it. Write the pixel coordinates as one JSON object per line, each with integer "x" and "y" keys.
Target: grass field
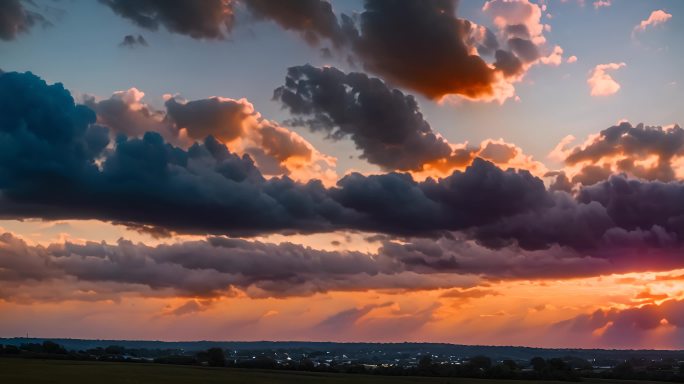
{"x": 26, "y": 371}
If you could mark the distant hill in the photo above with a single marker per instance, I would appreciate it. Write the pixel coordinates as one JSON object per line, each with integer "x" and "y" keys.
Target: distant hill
{"x": 494, "y": 352}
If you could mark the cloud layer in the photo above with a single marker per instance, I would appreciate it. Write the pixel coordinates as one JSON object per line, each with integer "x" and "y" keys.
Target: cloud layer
{"x": 393, "y": 39}
{"x": 16, "y": 19}
{"x": 210, "y": 19}
{"x": 71, "y": 169}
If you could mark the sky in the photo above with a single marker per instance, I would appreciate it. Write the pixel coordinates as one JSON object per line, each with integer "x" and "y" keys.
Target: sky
{"x": 501, "y": 172}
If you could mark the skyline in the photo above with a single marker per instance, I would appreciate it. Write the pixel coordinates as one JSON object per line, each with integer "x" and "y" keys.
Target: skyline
{"x": 484, "y": 172}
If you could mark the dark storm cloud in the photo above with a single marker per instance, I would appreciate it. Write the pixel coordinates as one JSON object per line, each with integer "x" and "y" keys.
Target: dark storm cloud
{"x": 489, "y": 44}
{"x": 416, "y": 44}
{"x": 207, "y": 19}
{"x": 624, "y": 145}
{"x": 592, "y": 174}
{"x": 637, "y": 204}
{"x": 203, "y": 268}
{"x": 207, "y": 268}
{"x": 524, "y": 49}
{"x": 218, "y": 266}
{"x": 560, "y": 183}
{"x": 482, "y": 194}
{"x": 314, "y": 19}
{"x": 508, "y": 63}
{"x": 56, "y": 163}
{"x": 66, "y": 171}
{"x": 384, "y": 123}
{"x": 132, "y": 41}
{"x": 422, "y": 46}
{"x": 616, "y": 213}
{"x": 16, "y": 19}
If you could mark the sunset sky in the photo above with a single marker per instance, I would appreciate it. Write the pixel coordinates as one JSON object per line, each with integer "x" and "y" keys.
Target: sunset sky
{"x": 503, "y": 172}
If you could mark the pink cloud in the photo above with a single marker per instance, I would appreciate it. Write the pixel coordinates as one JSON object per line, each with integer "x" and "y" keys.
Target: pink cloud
{"x": 572, "y": 59}
{"x": 601, "y": 83}
{"x": 602, "y": 4}
{"x": 657, "y": 17}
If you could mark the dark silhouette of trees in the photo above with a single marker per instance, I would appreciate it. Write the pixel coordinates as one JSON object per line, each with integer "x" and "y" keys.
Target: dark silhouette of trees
{"x": 480, "y": 362}
{"x": 538, "y": 363}
{"x": 52, "y": 347}
{"x": 115, "y": 350}
{"x": 216, "y": 357}
{"x": 425, "y": 363}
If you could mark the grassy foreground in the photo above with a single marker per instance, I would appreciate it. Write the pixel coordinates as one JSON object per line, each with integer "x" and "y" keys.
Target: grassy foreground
{"x": 27, "y": 371}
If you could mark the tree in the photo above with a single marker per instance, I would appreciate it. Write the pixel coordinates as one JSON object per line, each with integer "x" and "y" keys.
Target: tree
{"x": 115, "y": 350}
{"x": 538, "y": 363}
{"x": 52, "y": 347}
{"x": 12, "y": 350}
{"x": 425, "y": 362}
{"x": 510, "y": 364}
{"x": 216, "y": 357}
{"x": 481, "y": 362}
{"x": 557, "y": 364}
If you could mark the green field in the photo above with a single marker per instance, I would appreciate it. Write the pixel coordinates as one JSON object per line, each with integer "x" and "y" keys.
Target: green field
{"x": 26, "y": 371}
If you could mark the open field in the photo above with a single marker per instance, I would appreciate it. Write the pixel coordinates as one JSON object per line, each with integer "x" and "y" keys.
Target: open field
{"x": 70, "y": 372}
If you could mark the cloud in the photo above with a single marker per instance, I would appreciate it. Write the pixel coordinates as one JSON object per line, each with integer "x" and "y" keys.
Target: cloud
{"x": 571, "y": 59}
{"x": 210, "y": 19}
{"x": 394, "y": 40}
{"x": 466, "y": 294}
{"x": 203, "y": 269}
{"x": 384, "y": 123}
{"x": 15, "y": 19}
{"x": 520, "y": 27}
{"x": 125, "y": 113}
{"x": 219, "y": 266}
{"x": 656, "y": 18}
{"x": 347, "y": 319}
{"x": 630, "y": 327}
{"x": 651, "y": 153}
{"x": 518, "y": 17}
{"x": 275, "y": 149}
{"x": 601, "y": 83}
{"x": 70, "y": 168}
{"x": 219, "y": 117}
{"x": 132, "y": 41}
{"x": 148, "y": 181}
{"x": 602, "y": 4}
{"x": 314, "y": 19}
{"x": 189, "y": 307}
{"x": 397, "y": 39}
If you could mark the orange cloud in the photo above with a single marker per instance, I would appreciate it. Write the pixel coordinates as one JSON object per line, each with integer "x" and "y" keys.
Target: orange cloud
{"x": 275, "y": 149}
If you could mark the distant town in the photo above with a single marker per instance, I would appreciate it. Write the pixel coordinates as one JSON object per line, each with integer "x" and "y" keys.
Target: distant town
{"x": 420, "y": 359}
